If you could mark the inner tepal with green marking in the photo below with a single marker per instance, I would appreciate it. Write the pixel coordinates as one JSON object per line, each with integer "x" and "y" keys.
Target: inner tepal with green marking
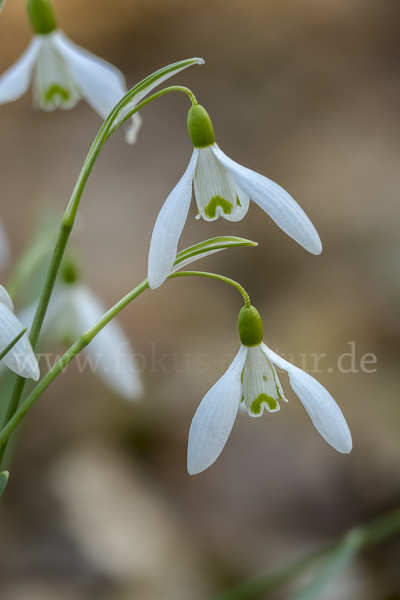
{"x": 261, "y": 385}
{"x": 215, "y": 192}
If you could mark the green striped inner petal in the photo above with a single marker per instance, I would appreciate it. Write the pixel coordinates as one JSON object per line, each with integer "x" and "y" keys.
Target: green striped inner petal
{"x": 214, "y": 189}
{"x": 261, "y": 387}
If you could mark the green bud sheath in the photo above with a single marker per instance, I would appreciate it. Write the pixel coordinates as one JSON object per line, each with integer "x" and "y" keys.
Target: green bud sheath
{"x": 250, "y": 326}
{"x": 41, "y": 16}
{"x": 200, "y": 127}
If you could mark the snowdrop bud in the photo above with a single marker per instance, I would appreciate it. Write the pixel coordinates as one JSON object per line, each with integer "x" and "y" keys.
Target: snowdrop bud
{"x": 250, "y": 326}
{"x": 70, "y": 273}
{"x": 200, "y": 127}
{"x": 41, "y": 16}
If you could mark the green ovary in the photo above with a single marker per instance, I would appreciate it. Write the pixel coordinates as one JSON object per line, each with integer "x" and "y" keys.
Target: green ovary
{"x": 256, "y": 404}
{"x": 56, "y": 90}
{"x": 211, "y": 208}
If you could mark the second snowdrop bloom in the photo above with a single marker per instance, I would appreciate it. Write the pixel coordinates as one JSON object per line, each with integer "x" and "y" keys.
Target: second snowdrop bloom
{"x": 72, "y": 311}
{"x": 20, "y": 358}
{"x": 62, "y": 72}
{"x": 222, "y": 188}
{"x": 253, "y": 380}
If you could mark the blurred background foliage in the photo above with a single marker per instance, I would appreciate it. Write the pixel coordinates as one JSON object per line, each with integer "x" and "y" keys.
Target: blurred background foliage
{"x": 99, "y": 503}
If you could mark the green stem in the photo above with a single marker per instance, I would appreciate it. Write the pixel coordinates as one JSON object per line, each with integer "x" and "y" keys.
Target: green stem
{"x": 12, "y": 344}
{"x": 85, "y": 339}
{"x": 68, "y": 222}
{"x": 355, "y": 540}
{"x": 235, "y": 284}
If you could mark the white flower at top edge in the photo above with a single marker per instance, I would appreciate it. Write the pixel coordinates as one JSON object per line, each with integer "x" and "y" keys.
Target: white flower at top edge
{"x": 222, "y": 188}
{"x": 21, "y": 358}
{"x": 73, "y": 310}
{"x": 63, "y": 73}
{"x": 253, "y": 380}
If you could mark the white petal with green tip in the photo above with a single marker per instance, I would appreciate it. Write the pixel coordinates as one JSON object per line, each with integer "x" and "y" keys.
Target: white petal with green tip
{"x": 168, "y": 227}
{"x": 215, "y": 416}
{"x": 276, "y": 202}
{"x": 260, "y": 384}
{"x": 54, "y": 85}
{"x": 214, "y": 189}
{"x": 325, "y": 414}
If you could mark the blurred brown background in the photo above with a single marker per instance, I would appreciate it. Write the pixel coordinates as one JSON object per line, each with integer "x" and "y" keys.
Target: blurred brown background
{"x": 99, "y": 503}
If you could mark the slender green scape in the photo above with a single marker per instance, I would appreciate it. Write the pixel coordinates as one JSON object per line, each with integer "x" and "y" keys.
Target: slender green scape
{"x": 86, "y": 338}
{"x": 110, "y": 125}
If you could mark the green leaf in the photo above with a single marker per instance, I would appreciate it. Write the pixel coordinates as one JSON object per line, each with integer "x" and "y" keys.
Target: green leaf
{"x": 122, "y": 111}
{"x": 337, "y": 561}
{"x": 12, "y": 344}
{"x": 1, "y": 4}
{"x": 189, "y": 255}
{"x": 3, "y": 480}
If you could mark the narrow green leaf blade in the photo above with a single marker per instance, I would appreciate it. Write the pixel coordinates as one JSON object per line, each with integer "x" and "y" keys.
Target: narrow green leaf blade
{"x": 337, "y": 561}
{"x": 12, "y": 344}
{"x": 189, "y": 255}
{"x": 3, "y": 480}
{"x": 2, "y": 4}
{"x": 122, "y": 111}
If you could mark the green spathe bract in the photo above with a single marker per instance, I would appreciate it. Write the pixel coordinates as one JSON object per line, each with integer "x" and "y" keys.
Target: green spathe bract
{"x": 41, "y": 16}
{"x": 250, "y": 326}
{"x": 200, "y": 127}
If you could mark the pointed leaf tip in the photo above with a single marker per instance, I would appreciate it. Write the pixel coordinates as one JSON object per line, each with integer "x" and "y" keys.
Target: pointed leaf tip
{"x": 3, "y": 480}
{"x": 203, "y": 249}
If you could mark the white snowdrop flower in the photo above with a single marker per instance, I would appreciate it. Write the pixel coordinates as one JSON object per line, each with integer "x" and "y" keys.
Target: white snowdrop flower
{"x": 221, "y": 188}
{"x": 21, "y": 358}
{"x": 73, "y": 309}
{"x": 63, "y": 73}
{"x": 252, "y": 379}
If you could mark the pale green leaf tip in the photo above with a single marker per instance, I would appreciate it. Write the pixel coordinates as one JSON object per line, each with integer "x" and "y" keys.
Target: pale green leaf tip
{"x": 3, "y": 480}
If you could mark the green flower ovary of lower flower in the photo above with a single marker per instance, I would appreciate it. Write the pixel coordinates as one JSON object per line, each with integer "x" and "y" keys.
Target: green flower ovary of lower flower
{"x": 250, "y": 326}
{"x": 41, "y": 16}
{"x": 200, "y": 127}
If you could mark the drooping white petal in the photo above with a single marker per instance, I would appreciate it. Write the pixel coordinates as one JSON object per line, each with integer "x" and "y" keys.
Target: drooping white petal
{"x": 214, "y": 189}
{"x": 5, "y": 299}
{"x": 73, "y": 309}
{"x": 112, "y": 356}
{"x": 101, "y": 84}
{"x": 215, "y": 417}
{"x": 276, "y": 202}
{"x": 168, "y": 227}
{"x": 260, "y": 384}
{"x": 15, "y": 81}
{"x": 133, "y": 129}
{"x": 325, "y": 414}
{"x": 21, "y": 358}
{"x": 54, "y": 85}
